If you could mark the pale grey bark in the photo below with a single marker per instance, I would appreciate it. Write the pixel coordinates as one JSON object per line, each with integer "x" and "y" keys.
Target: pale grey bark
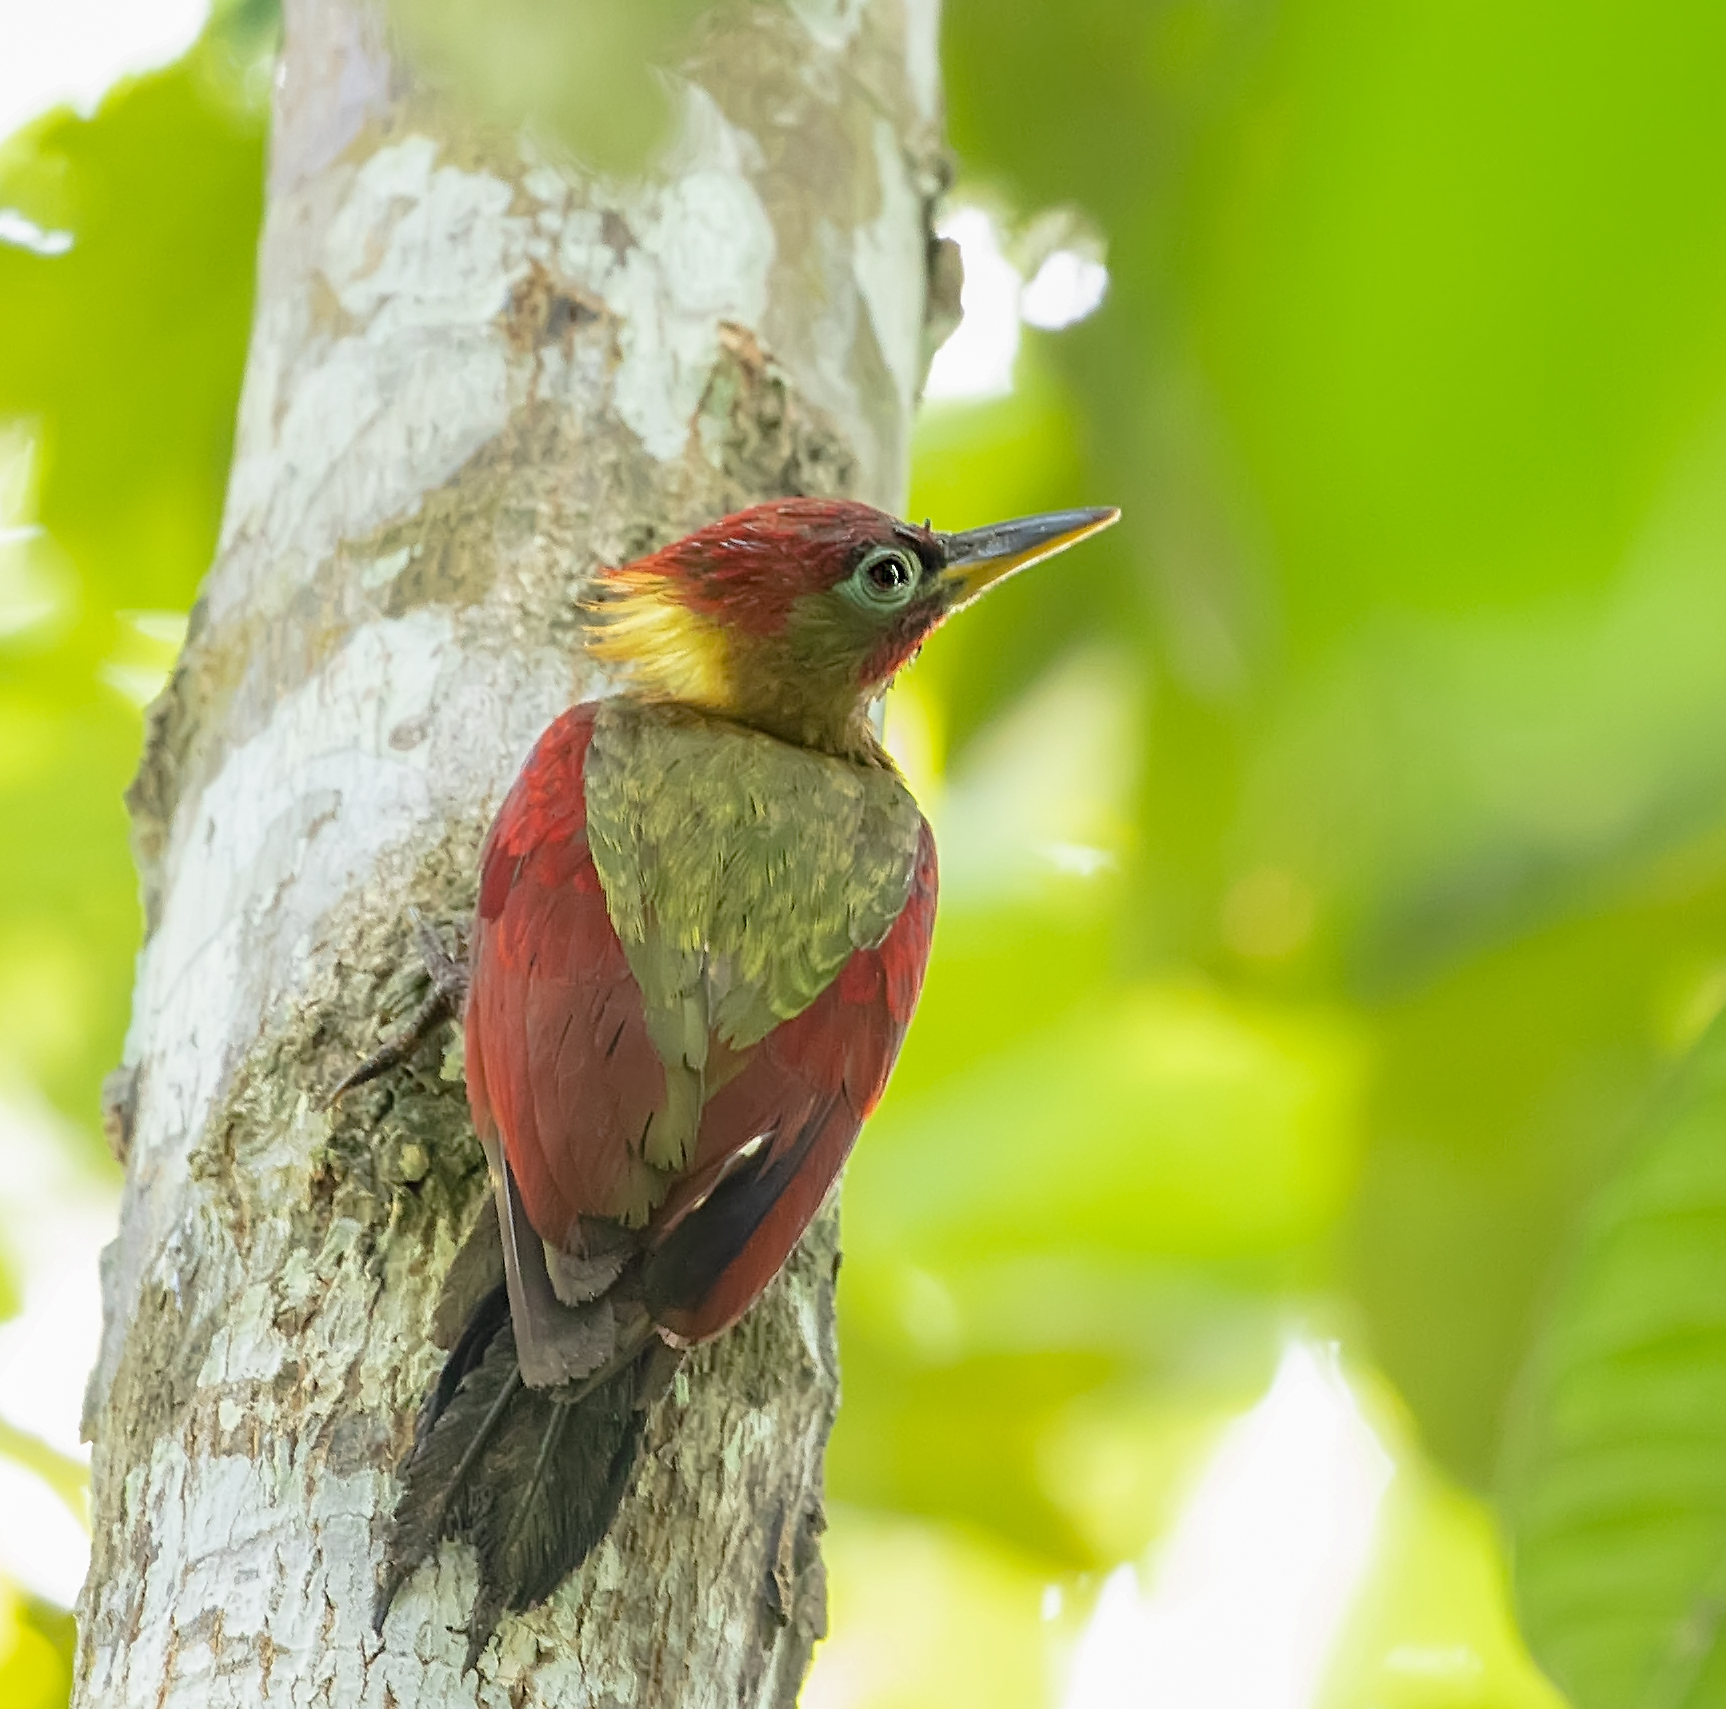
{"x": 475, "y": 373}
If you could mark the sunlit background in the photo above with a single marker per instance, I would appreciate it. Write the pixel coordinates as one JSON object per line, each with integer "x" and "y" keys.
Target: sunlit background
{"x": 1304, "y": 1193}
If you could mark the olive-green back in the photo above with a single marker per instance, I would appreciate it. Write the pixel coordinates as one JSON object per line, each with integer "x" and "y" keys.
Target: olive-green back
{"x": 740, "y": 873}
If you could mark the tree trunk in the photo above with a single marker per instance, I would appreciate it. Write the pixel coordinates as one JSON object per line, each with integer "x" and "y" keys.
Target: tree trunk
{"x": 475, "y": 374}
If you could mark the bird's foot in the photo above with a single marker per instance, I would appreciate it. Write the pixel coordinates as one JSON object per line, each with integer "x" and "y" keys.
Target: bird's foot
{"x": 448, "y": 975}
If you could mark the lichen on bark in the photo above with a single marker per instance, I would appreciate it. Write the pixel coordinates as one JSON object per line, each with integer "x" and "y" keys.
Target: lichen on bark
{"x": 477, "y": 372}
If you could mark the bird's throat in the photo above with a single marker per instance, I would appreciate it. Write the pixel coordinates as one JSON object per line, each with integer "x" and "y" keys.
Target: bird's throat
{"x": 664, "y": 652}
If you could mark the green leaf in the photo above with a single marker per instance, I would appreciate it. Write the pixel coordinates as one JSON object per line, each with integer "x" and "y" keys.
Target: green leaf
{"x": 68, "y": 1478}
{"x": 1618, "y": 1469}
{"x": 1165, "y": 1120}
{"x": 36, "y": 1648}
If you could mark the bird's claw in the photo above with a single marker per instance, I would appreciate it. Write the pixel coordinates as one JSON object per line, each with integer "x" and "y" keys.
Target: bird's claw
{"x": 448, "y": 975}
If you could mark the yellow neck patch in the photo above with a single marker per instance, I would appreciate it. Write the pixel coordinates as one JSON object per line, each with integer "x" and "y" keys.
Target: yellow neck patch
{"x": 642, "y": 629}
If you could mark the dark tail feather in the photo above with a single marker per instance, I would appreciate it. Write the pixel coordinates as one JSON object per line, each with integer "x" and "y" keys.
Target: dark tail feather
{"x": 531, "y": 1477}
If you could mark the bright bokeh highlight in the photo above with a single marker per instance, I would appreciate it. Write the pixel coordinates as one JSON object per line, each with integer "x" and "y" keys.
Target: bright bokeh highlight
{"x": 1252, "y": 1586}
{"x": 73, "y": 51}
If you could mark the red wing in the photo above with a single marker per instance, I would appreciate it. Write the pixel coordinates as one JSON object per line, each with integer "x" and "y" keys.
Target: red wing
{"x": 727, "y": 1227}
{"x": 559, "y": 1063}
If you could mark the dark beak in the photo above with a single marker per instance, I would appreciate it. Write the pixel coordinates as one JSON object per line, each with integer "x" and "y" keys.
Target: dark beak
{"x": 980, "y": 557}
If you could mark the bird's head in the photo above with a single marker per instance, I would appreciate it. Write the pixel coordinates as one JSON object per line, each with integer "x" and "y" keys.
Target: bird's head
{"x": 793, "y": 616}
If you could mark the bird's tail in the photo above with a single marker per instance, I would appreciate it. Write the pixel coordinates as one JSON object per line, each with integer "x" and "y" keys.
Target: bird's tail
{"x": 531, "y": 1477}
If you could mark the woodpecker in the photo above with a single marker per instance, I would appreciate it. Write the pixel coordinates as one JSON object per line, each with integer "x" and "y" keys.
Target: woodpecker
{"x": 704, "y": 913}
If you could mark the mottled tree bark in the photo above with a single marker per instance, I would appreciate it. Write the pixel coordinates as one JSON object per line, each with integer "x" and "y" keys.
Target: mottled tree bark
{"x": 476, "y": 372}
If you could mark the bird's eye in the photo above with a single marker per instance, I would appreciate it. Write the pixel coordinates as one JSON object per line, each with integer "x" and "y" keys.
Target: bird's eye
{"x": 886, "y": 577}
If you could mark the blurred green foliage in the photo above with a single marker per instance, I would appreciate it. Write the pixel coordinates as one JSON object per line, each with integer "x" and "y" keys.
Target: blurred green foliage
{"x": 1424, "y": 313}
{"x": 36, "y": 1645}
{"x": 118, "y": 390}
{"x": 1619, "y": 1489}
{"x": 1335, "y": 853}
